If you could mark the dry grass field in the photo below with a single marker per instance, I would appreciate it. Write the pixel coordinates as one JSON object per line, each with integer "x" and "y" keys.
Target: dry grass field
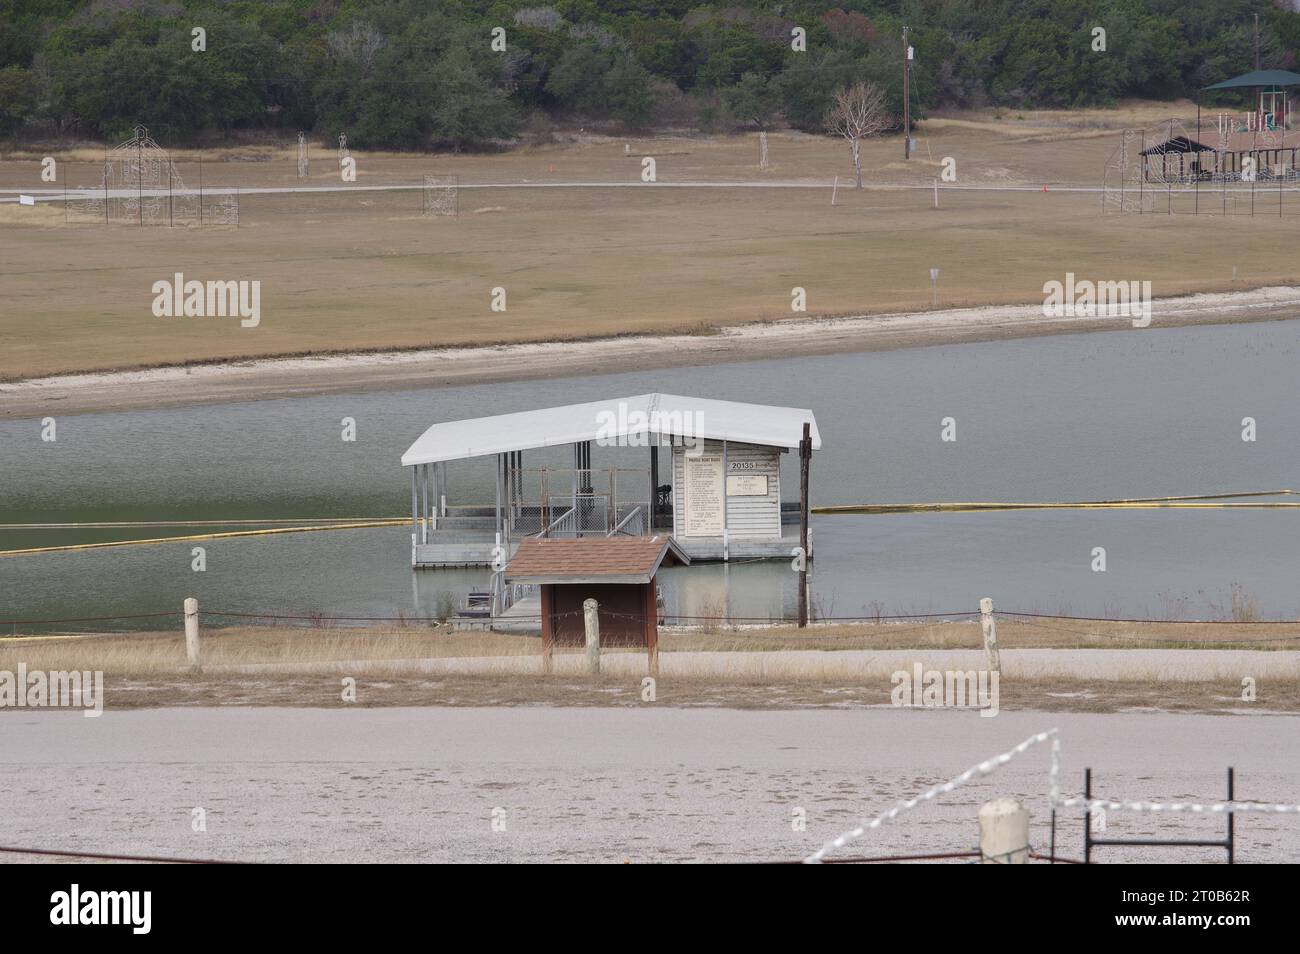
{"x": 365, "y": 270}
{"x": 769, "y": 668}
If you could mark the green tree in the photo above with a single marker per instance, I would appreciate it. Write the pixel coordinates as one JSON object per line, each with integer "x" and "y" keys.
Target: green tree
{"x": 17, "y": 98}
{"x": 468, "y": 109}
{"x": 806, "y": 89}
{"x": 753, "y": 100}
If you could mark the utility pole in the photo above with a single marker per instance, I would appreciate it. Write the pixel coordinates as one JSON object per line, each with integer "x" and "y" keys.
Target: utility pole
{"x": 907, "y": 98}
{"x": 1259, "y": 93}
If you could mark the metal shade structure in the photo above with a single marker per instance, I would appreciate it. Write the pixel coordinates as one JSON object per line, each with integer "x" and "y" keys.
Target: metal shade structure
{"x": 641, "y": 415}
{"x": 1259, "y": 79}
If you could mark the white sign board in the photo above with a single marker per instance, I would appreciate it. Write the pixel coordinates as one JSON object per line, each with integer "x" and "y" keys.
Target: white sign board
{"x": 702, "y": 495}
{"x": 747, "y": 485}
{"x": 26, "y": 200}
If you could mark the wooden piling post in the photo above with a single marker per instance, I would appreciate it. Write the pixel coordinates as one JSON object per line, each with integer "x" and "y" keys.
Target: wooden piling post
{"x": 192, "y": 632}
{"x": 591, "y": 622}
{"x": 990, "y": 627}
{"x": 652, "y": 627}
{"x": 548, "y": 624}
{"x": 1004, "y": 832}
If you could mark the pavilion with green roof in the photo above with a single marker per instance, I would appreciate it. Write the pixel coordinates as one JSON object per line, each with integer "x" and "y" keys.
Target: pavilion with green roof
{"x": 1264, "y": 134}
{"x": 1270, "y": 88}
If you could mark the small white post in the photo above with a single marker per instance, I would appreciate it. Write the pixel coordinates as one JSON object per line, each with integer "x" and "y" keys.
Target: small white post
{"x": 990, "y": 627}
{"x": 192, "y": 631}
{"x": 1004, "y": 832}
{"x": 936, "y": 193}
{"x": 591, "y": 621}
{"x": 834, "y": 189}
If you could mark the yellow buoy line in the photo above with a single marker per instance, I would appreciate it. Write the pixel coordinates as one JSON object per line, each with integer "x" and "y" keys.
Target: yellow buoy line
{"x": 1190, "y": 501}
{"x": 195, "y": 537}
{"x": 131, "y": 524}
{"x": 269, "y": 526}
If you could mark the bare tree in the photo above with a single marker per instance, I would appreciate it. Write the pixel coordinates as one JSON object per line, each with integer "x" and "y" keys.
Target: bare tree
{"x": 859, "y": 112}
{"x": 361, "y": 42}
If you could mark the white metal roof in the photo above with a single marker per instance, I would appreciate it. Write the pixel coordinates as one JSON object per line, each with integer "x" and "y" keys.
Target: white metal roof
{"x": 668, "y": 415}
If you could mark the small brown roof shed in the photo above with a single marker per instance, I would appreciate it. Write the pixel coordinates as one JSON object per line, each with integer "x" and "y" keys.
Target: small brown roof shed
{"x": 593, "y": 559}
{"x": 617, "y": 572}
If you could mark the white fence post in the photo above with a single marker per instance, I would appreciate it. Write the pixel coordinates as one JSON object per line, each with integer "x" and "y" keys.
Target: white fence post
{"x": 591, "y": 620}
{"x": 1004, "y": 832}
{"x": 192, "y": 632}
{"x": 990, "y": 627}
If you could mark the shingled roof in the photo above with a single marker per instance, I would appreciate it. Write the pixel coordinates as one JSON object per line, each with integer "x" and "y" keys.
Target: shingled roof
{"x": 592, "y": 559}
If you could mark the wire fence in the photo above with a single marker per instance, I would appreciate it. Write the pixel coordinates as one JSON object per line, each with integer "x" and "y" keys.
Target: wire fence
{"x": 1055, "y": 799}
{"x": 885, "y": 620}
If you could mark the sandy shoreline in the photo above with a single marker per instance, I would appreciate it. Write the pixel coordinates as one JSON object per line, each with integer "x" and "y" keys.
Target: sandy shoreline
{"x": 446, "y": 367}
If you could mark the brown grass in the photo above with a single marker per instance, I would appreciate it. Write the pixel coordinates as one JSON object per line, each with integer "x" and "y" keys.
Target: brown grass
{"x": 365, "y": 271}
{"x": 149, "y": 652}
{"x": 149, "y": 669}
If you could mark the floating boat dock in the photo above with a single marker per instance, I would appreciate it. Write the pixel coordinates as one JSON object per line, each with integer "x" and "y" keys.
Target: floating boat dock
{"x": 721, "y": 499}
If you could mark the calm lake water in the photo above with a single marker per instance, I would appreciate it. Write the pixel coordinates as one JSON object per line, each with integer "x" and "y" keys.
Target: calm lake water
{"x": 1130, "y": 413}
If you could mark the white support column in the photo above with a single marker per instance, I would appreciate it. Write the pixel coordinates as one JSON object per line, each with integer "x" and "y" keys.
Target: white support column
{"x": 428, "y": 505}
{"x": 435, "y": 506}
{"x": 1004, "y": 832}
{"x": 577, "y": 465}
{"x": 415, "y": 503}
{"x": 500, "y": 524}
{"x": 422, "y": 482}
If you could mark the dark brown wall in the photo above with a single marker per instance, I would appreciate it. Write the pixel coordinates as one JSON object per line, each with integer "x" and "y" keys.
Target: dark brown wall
{"x": 622, "y": 612}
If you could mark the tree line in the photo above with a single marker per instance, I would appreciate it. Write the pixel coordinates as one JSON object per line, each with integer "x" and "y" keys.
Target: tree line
{"x": 415, "y": 74}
